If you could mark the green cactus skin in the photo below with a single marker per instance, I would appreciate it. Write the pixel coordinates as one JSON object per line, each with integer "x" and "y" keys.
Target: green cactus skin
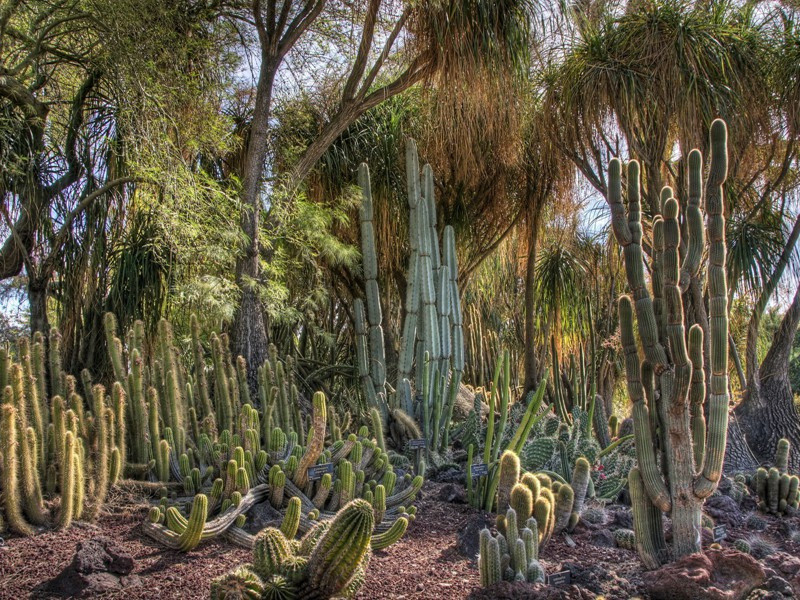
{"x": 660, "y": 320}
{"x": 536, "y": 572}
{"x": 489, "y": 559}
{"x": 531, "y": 539}
{"x": 337, "y": 557}
{"x": 241, "y": 584}
{"x": 509, "y": 475}
{"x": 191, "y": 529}
{"x": 782, "y": 455}
{"x": 379, "y": 503}
{"x": 649, "y": 534}
{"x": 625, "y": 538}
{"x": 291, "y": 520}
{"x": 270, "y": 550}
{"x": 742, "y": 546}
{"x": 278, "y": 587}
{"x": 773, "y": 496}
{"x": 10, "y": 471}
{"x": 522, "y": 501}
{"x": 312, "y": 537}
{"x": 390, "y": 536}
{"x": 580, "y": 483}
{"x": 542, "y": 509}
{"x": 66, "y": 512}
{"x": 565, "y": 499}
{"x": 315, "y": 447}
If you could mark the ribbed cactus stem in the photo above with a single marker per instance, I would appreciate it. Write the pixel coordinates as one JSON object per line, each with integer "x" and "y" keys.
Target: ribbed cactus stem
{"x": 489, "y": 559}
{"x": 66, "y": 511}
{"x": 12, "y": 498}
{"x": 291, "y": 520}
{"x": 390, "y": 536}
{"x": 646, "y": 524}
{"x": 191, "y": 536}
{"x": 782, "y": 455}
{"x": 340, "y": 551}
{"x": 509, "y": 475}
{"x": 315, "y": 447}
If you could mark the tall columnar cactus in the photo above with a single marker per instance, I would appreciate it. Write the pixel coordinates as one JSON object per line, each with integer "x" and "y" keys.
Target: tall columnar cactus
{"x": 679, "y": 483}
{"x": 12, "y": 497}
{"x": 432, "y": 345}
{"x": 315, "y": 447}
{"x": 377, "y": 355}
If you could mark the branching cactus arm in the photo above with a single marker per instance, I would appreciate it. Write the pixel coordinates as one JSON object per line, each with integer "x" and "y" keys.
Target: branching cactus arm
{"x": 668, "y": 388}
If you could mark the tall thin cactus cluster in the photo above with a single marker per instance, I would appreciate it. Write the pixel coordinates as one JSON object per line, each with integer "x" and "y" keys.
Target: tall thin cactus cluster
{"x": 205, "y": 437}
{"x": 431, "y": 357}
{"x": 58, "y": 454}
{"x": 679, "y": 454}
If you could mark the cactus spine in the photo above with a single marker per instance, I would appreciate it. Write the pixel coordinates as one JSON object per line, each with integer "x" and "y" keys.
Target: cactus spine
{"x": 689, "y": 478}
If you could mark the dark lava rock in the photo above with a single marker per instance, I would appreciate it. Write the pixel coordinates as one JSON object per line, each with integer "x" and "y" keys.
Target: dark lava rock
{"x": 715, "y": 575}
{"x": 446, "y": 474}
{"x": 507, "y": 590}
{"x": 596, "y": 578}
{"x": 260, "y": 516}
{"x": 99, "y": 566}
{"x": 603, "y": 538}
{"x": 724, "y": 510}
{"x": 778, "y": 585}
{"x": 452, "y": 493}
{"x": 788, "y": 566}
{"x": 620, "y": 517}
{"x": 468, "y": 543}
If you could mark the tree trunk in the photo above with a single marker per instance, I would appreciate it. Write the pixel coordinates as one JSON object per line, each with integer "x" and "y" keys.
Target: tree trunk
{"x": 530, "y": 359}
{"x": 767, "y": 412}
{"x": 37, "y": 299}
{"x": 739, "y": 457}
{"x": 249, "y": 332}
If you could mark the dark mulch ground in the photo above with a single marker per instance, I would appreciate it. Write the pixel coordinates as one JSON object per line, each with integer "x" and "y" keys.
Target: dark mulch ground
{"x": 425, "y": 564}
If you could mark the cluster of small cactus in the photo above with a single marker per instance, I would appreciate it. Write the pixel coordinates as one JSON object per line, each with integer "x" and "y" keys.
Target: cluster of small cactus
{"x": 431, "y": 355}
{"x": 679, "y": 453}
{"x": 330, "y": 561}
{"x": 554, "y": 446}
{"x": 279, "y": 474}
{"x": 513, "y": 555}
{"x": 58, "y": 454}
{"x": 776, "y": 489}
{"x": 206, "y": 435}
{"x": 556, "y": 504}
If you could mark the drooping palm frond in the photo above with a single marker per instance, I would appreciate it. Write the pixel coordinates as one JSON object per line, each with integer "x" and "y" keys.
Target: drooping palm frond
{"x": 755, "y": 243}
{"x": 465, "y": 37}
{"x": 560, "y": 279}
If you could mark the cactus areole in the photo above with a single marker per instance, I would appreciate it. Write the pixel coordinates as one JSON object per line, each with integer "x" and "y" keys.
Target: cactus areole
{"x": 679, "y": 454}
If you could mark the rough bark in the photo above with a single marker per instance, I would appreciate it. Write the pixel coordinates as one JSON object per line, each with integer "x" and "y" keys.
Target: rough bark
{"x": 249, "y": 333}
{"x": 531, "y": 362}
{"x": 37, "y": 298}
{"x": 767, "y": 412}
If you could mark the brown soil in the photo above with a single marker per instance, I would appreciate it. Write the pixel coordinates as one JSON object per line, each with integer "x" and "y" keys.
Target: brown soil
{"x": 425, "y": 564}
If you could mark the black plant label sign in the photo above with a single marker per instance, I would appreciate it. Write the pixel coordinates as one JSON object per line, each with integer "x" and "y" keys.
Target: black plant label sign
{"x": 317, "y": 471}
{"x": 720, "y": 533}
{"x": 479, "y": 470}
{"x": 561, "y": 578}
{"x": 418, "y": 444}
